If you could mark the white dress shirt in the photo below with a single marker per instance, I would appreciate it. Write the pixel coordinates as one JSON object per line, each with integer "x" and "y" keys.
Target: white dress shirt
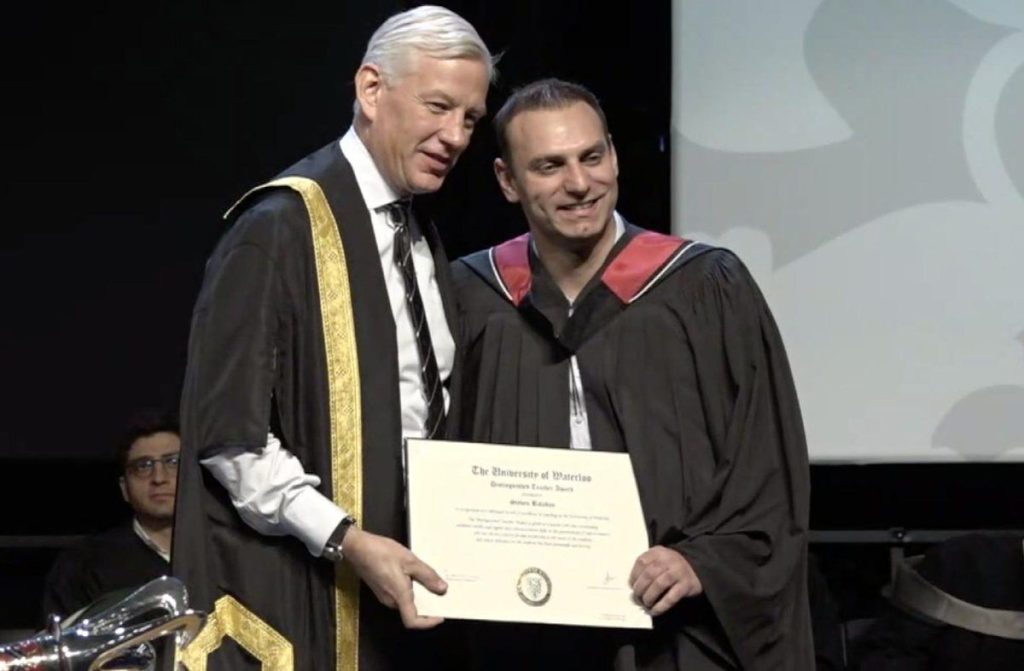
{"x": 579, "y": 423}
{"x": 148, "y": 540}
{"x": 268, "y": 485}
{"x": 376, "y": 195}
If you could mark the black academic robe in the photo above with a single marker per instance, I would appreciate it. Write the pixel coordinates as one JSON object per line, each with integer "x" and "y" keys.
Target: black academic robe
{"x": 256, "y": 355}
{"x": 682, "y": 367}
{"x": 111, "y": 561}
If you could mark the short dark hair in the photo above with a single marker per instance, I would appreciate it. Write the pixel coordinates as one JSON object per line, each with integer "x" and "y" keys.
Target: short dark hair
{"x": 543, "y": 94}
{"x": 144, "y": 423}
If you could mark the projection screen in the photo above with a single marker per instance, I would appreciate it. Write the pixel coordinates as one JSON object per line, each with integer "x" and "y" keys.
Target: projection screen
{"x": 866, "y": 161}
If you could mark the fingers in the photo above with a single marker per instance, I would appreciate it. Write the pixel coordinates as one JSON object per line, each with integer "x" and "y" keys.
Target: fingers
{"x": 661, "y": 584}
{"x": 670, "y": 598}
{"x": 661, "y": 578}
{"x": 640, "y": 565}
{"x": 667, "y": 589}
{"x": 642, "y": 583}
{"x": 426, "y": 576}
{"x": 389, "y": 568}
{"x": 412, "y": 619}
{"x": 384, "y": 597}
{"x": 646, "y": 569}
{"x": 424, "y": 622}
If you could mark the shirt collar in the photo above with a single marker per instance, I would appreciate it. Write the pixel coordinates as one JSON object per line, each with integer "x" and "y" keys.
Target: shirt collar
{"x": 620, "y": 226}
{"x": 375, "y": 190}
{"x": 148, "y": 540}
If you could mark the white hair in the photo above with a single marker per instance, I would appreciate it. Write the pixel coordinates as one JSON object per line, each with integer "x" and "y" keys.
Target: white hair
{"x": 431, "y": 30}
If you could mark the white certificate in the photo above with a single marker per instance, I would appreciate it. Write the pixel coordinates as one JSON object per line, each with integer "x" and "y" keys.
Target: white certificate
{"x": 526, "y": 534}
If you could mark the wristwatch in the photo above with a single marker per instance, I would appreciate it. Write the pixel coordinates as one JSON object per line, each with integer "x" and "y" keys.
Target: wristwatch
{"x": 332, "y": 550}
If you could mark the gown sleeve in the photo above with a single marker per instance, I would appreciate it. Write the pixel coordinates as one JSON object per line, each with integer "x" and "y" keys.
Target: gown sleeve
{"x": 233, "y": 347}
{"x": 747, "y": 492}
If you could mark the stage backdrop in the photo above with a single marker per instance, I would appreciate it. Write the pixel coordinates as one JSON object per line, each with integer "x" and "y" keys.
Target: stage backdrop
{"x": 866, "y": 161}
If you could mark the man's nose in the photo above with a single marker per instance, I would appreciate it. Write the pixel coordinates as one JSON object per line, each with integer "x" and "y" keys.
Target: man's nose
{"x": 161, "y": 472}
{"x": 576, "y": 179}
{"x": 454, "y": 133}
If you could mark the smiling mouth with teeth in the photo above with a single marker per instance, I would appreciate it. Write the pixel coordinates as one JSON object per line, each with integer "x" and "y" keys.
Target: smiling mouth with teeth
{"x": 580, "y": 206}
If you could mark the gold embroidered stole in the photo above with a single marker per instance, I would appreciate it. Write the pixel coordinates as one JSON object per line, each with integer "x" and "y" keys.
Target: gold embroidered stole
{"x": 344, "y": 404}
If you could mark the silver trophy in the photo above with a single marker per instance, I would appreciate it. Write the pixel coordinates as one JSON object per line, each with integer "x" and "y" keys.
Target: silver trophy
{"x": 116, "y": 632}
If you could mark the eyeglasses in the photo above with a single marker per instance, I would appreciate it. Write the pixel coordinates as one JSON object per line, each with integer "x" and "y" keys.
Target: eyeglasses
{"x": 143, "y": 467}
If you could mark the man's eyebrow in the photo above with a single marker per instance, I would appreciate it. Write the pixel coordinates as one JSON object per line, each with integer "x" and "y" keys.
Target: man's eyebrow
{"x": 437, "y": 93}
{"x": 443, "y": 95}
{"x": 599, "y": 146}
{"x": 157, "y": 456}
{"x": 546, "y": 158}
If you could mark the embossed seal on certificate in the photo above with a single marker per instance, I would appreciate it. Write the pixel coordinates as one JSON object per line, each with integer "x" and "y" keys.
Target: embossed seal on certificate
{"x": 534, "y": 587}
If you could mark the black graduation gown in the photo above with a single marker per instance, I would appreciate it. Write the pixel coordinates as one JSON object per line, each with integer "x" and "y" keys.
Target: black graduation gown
{"x": 691, "y": 379}
{"x": 256, "y": 355}
{"x": 114, "y": 560}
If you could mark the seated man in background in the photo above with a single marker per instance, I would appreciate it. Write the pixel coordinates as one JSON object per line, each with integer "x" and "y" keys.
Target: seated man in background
{"x": 138, "y": 550}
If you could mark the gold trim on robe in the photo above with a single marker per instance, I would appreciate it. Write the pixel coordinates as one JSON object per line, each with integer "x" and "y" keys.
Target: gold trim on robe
{"x": 344, "y": 396}
{"x": 232, "y": 619}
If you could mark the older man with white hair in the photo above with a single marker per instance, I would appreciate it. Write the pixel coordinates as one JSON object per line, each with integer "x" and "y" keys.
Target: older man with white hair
{"x": 320, "y": 340}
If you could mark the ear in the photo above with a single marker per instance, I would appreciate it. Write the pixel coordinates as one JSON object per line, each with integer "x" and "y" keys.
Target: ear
{"x": 124, "y": 489}
{"x": 369, "y": 86}
{"x": 505, "y": 180}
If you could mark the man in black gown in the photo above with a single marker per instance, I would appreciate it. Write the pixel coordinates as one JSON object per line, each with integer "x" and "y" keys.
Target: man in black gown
{"x": 319, "y": 340}
{"x": 591, "y": 333}
{"x": 138, "y": 550}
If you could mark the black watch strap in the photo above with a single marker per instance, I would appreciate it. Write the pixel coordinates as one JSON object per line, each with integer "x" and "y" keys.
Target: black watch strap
{"x": 332, "y": 550}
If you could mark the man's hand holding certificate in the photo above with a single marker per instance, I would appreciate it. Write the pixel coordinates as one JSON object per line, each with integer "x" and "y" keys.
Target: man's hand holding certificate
{"x": 526, "y": 534}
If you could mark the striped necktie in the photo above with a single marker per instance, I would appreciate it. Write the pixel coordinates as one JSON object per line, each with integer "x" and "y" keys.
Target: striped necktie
{"x": 399, "y": 213}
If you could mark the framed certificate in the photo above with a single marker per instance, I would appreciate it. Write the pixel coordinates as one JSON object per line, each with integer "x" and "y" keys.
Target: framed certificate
{"x": 526, "y": 534}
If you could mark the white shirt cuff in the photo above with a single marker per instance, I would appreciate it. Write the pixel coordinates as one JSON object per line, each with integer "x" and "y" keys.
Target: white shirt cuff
{"x": 312, "y": 518}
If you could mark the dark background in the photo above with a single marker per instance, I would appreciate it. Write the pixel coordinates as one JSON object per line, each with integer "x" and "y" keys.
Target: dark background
{"x": 131, "y": 127}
